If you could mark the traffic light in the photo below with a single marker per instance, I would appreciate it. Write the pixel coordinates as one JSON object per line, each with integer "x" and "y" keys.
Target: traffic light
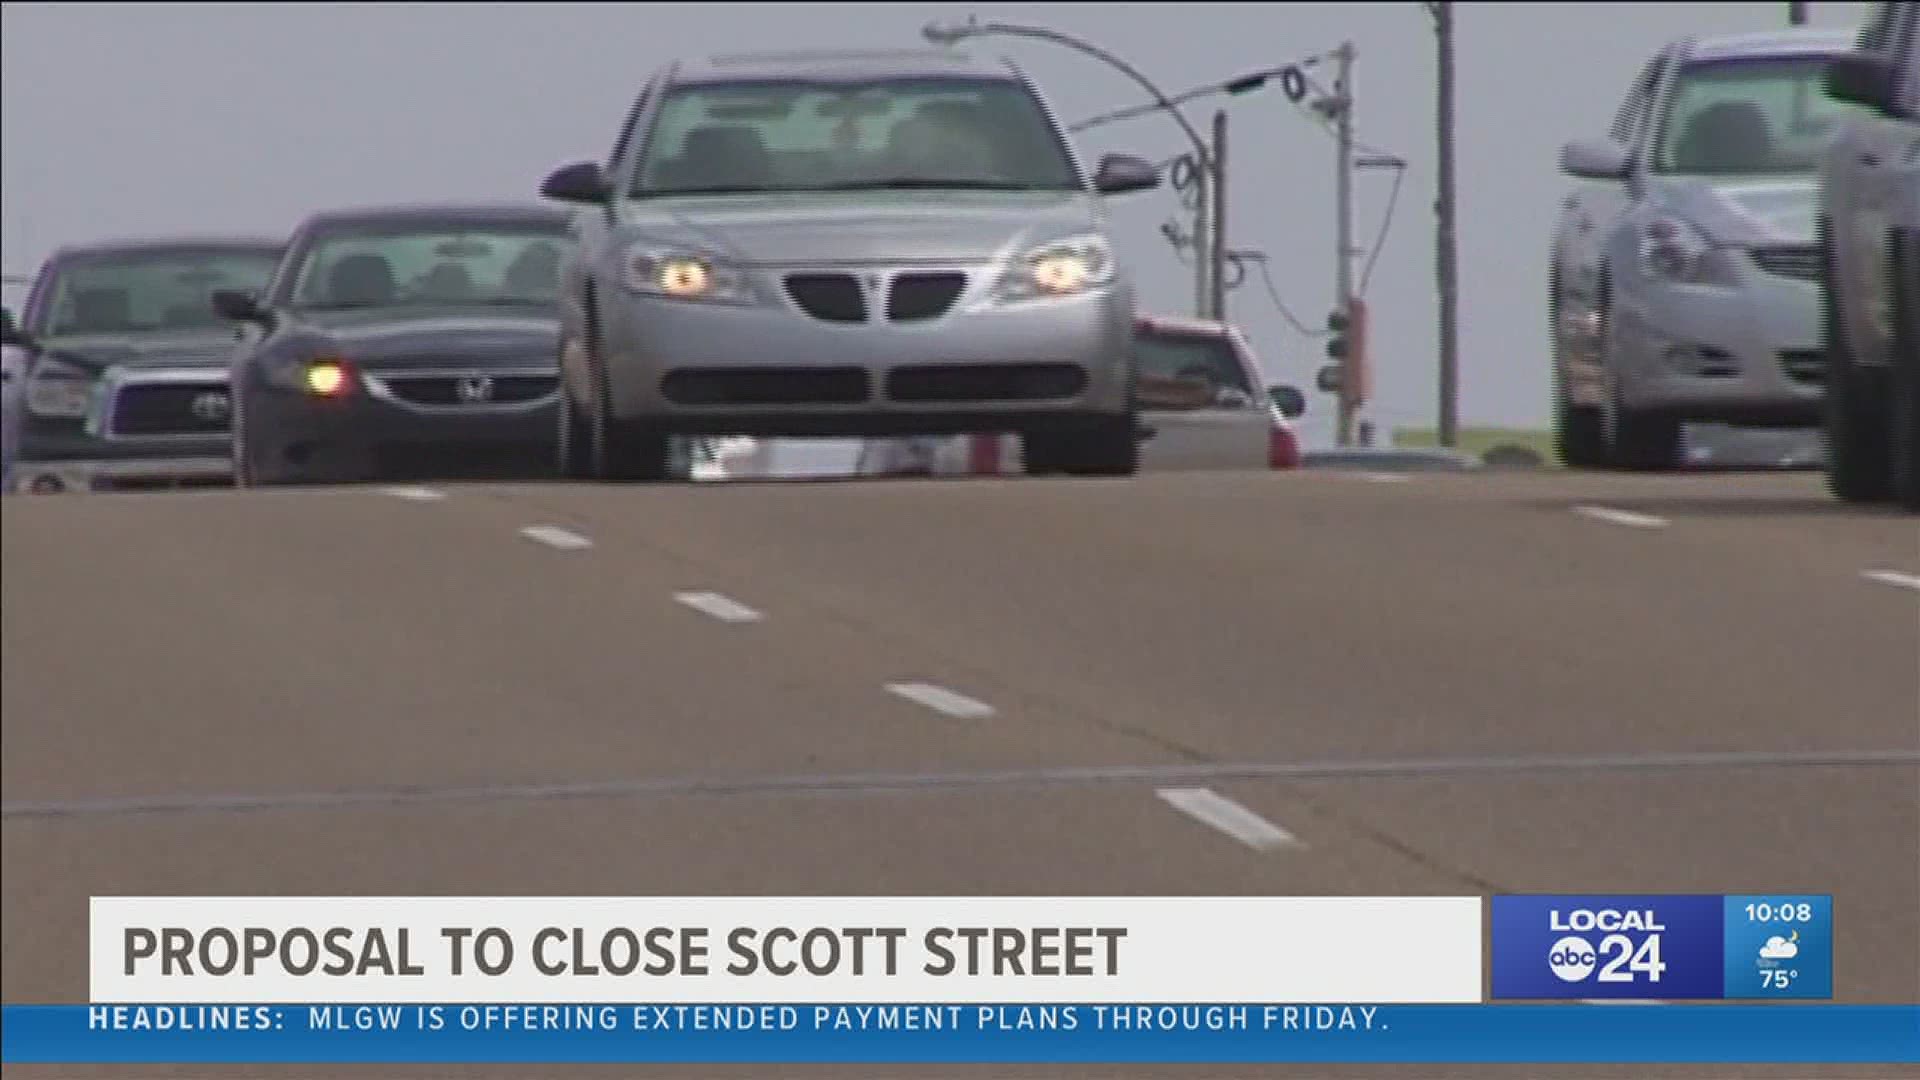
{"x": 1347, "y": 347}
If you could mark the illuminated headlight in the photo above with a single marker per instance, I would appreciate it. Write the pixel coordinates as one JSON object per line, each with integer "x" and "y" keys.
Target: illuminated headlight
{"x": 1062, "y": 268}
{"x": 1672, "y": 250}
{"x": 59, "y": 390}
{"x": 684, "y": 276}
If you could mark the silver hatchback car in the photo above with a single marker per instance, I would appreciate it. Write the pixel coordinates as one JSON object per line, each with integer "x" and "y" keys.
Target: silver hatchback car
{"x": 844, "y": 244}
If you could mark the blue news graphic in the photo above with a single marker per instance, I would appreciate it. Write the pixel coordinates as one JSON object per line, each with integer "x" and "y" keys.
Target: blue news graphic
{"x": 1779, "y": 947}
{"x": 1666, "y": 948}
{"x": 956, "y": 1034}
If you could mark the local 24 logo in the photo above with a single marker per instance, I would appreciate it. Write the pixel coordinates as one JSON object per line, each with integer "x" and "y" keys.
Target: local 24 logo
{"x": 1616, "y": 957}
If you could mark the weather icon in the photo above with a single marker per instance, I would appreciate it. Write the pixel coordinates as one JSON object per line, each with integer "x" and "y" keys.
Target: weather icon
{"x": 1781, "y": 948}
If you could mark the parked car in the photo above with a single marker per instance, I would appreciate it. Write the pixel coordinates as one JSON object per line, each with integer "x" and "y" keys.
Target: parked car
{"x": 1204, "y": 405}
{"x": 1684, "y": 279}
{"x": 406, "y": 342}
{"x": 845, "y": 244}
{"x": 1870, "y": 244}
{"x": 125, "y": 381}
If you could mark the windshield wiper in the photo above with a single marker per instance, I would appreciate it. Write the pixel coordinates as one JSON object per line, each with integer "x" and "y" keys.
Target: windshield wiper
{"x": 340, "y": 305}
{"x": 712, "y": 189}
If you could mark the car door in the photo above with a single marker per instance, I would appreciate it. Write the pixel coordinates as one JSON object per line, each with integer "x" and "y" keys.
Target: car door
{"x": 1201, "y": 402}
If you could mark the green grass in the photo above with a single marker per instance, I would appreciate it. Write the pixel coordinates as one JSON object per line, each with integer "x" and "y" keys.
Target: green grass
{"x": 1478, "y": 440}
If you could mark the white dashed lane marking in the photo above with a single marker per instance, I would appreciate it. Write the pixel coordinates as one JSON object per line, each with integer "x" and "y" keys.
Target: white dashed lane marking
{"x": 724, "y": 608}
{"x": 1621, "y": 517}
{"x": 556, "y": 537}
{"x": 1383, "y": 478}
{"x": 416, "y": 494}
{"x": 942, "y": 700}
{"x": 1894, "y": 578}
{"x": 1211, "y": 808}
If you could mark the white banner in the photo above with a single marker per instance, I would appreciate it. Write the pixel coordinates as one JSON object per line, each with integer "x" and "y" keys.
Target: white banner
{"x": 797, "y": 950}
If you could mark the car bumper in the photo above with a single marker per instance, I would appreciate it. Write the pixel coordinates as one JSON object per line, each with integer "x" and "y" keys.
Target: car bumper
{"x": 292, "y": 437}
{"x": 1746, "y": 355}
{"x": 712, "y": 369}
{"x": 53, "y": 457}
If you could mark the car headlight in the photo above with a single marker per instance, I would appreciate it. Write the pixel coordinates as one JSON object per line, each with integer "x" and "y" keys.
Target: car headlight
{"x": 683, "y": 275}
{"x": 58, "y": 389}
{"x": 1060, "y": 268}
{"x": 1672, "y": 250}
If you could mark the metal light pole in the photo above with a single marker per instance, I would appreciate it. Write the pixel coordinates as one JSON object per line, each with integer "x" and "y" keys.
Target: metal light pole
{"x": 1217, "y": 268}
{"x": 1342, "y": 104}
{"x": 1446, "y": 254}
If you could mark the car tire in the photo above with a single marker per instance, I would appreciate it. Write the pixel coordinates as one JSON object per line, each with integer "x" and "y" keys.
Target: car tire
{"x": 243, "y": 475}
{"x": 1903, "y": 434}
{"x": 1855, "y": 423}
{"x": 619, "y": 450}
{"x": 573, "y": 456}
{"x": 1632, "y": 439}
{"x": 1579, "y": 431}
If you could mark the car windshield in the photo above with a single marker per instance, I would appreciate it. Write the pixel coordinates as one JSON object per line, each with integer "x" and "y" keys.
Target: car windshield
{"x": 485, "y": 264}
{"x": 1189, "y": 370}
{"x": 722, "y": 138}
{"x": 130, "y": 293}
{"x": 1749, "y": 117}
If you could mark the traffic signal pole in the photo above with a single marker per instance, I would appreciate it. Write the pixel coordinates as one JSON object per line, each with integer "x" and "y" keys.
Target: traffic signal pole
{"x": 1343, "y": 227}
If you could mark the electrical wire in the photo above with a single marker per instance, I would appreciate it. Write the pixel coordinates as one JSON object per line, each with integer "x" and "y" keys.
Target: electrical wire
{"x": 1273, "y": 293}
{"x": 1386, "y": 223}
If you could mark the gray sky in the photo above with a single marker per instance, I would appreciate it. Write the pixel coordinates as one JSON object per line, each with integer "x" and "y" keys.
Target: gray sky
{"x": 159, "y": 118}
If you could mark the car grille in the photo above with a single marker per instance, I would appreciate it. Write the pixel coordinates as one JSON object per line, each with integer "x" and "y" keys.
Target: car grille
{"x": 1804, "y": 365}
{"x": 186, "y": 408}
{"x": 924, "y": 296}
{"x": 475, "y": 389}
{"x": 766, "y": 386}
{"x": 829, "y": 297}
{"x": 985, "y": 382}
{"x": 1802, "y": 263}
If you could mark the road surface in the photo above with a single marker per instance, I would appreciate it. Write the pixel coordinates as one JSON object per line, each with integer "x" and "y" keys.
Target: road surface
{"x": 1419, "y": 684}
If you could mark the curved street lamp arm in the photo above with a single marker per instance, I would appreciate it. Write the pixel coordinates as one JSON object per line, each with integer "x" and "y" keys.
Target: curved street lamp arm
{"x": 1160, "y": 99}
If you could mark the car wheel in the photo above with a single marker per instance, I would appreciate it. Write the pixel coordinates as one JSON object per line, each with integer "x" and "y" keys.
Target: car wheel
{"x": 1108, "y": 448}
{"x": 1579, "y": 431}
{"x": 572, "y": 451}
{"x": 1856, "y": 435}
{"x": 619, "y": 450}
{"x": 242, "y": 460}
{"x": 1904, "y": 429}
{"x": 1632, "y": 439}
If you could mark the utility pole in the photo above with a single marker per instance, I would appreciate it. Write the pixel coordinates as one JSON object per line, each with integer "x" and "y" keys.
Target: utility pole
{"x": 1217, "y": 251}
{"x": 1202, "y": 241}
{"x": 1797, "y": 13}
{"x": 1342, "y": 108}
{"x": 1446, "y": 255}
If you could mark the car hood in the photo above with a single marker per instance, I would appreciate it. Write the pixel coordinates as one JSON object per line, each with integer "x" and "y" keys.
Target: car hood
{"x": 159, "y": 349}
{"x": 438, "y": 336}
{"x": 1748, "y": 212}
{"x": 853, "y": 227}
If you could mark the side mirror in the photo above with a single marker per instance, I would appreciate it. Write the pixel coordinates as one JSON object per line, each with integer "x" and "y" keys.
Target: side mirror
{"x": 1595, "y": 159}
{"x": 240, "y": 306}
{"x": 1288, "y": 399}
{"x": 580, "y": 182}
{"x": 10, "y": 332}
{"x": 1121, "y": 173}
{"x": 1861, "y": 79}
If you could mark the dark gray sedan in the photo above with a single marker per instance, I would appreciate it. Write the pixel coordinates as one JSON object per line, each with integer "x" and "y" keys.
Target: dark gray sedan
{"x": 402, "y": 343}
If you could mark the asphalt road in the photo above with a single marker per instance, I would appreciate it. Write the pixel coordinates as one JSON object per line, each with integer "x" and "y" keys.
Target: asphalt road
{"x": 1440, "y": 683}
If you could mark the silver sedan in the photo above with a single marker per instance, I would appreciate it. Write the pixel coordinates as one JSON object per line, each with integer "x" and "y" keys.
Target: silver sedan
{"x": 845, "y": 245}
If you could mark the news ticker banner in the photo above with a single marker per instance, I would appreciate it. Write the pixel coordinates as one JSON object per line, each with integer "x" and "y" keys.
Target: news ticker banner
{"x": 903, "y": 1033}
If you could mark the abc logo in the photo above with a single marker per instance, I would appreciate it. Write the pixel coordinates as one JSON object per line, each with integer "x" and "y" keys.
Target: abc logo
{"x": 1572, "y": 959}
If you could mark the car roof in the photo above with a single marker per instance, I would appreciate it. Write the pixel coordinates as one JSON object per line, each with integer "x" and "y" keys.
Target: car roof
{"x": 158, "y": 244}
{"x": 821, "y": 65}
{"x": 441, "y": 213}
{"x": 1766, "y": 43}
